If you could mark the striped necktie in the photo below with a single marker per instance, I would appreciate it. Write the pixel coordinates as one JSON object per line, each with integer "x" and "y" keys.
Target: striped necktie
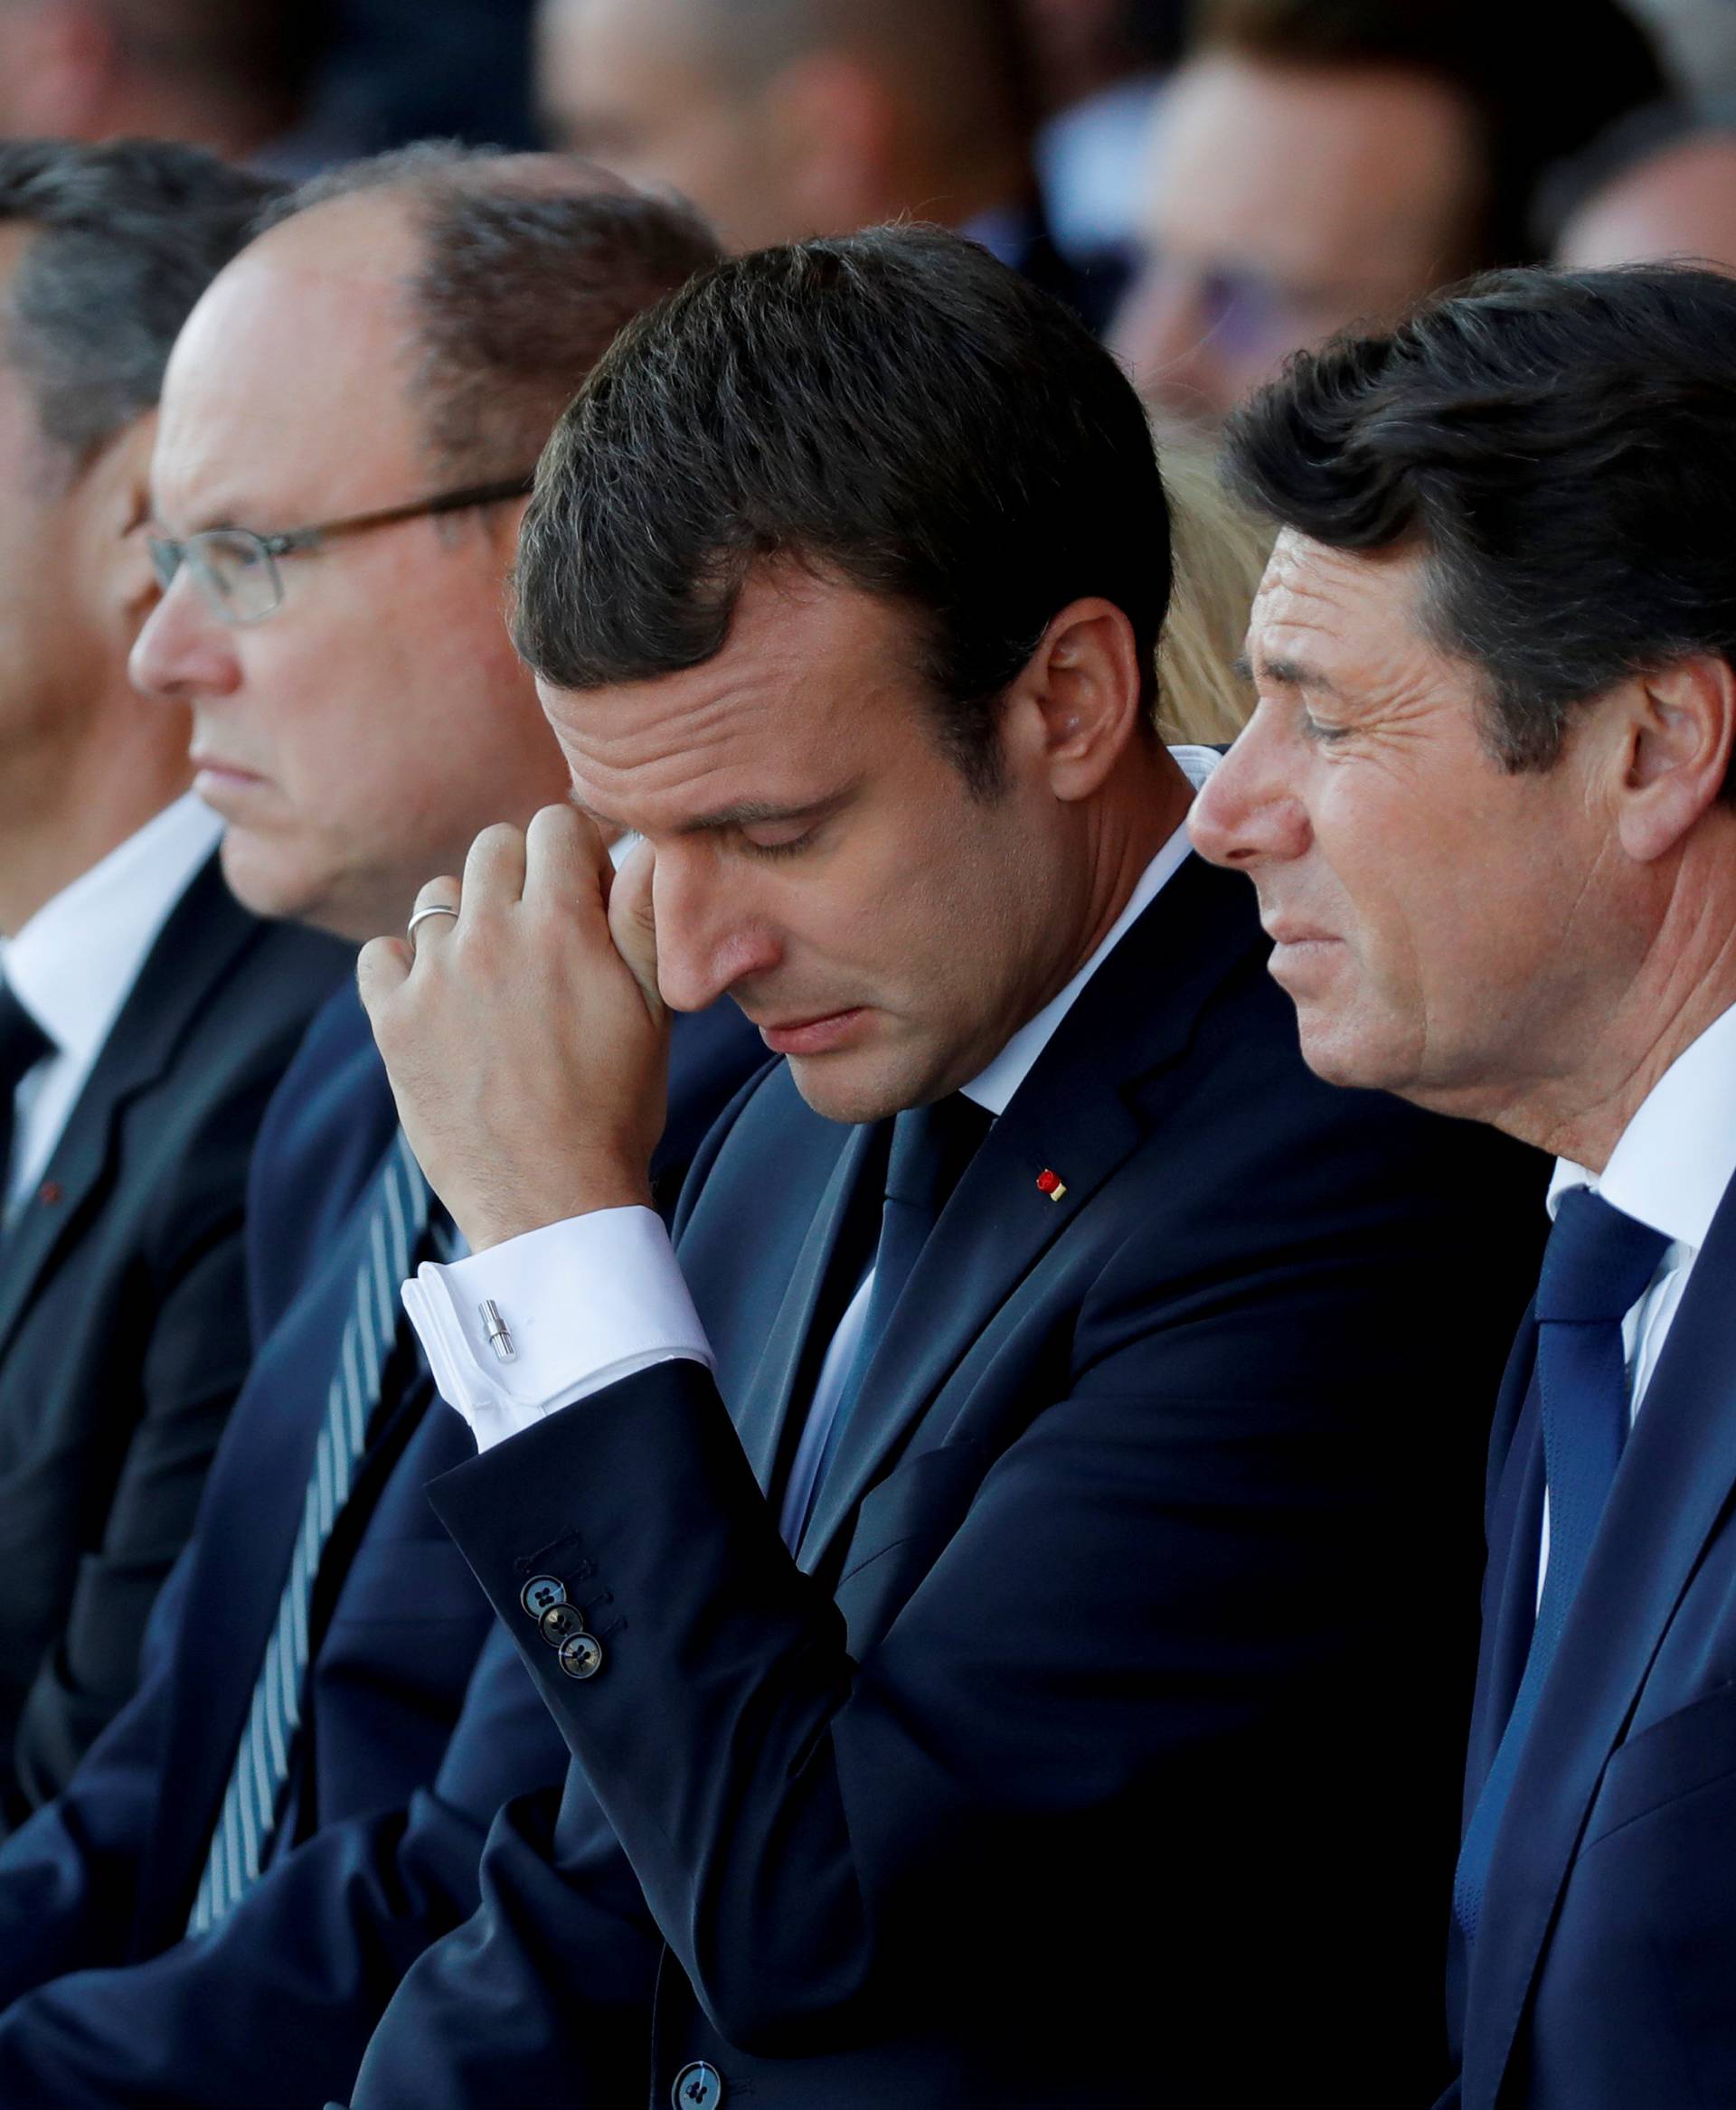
{"x": 399, "y": 1225}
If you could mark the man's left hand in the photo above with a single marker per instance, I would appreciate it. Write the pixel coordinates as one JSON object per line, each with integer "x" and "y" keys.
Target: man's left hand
{"x": 524, "y": 1037}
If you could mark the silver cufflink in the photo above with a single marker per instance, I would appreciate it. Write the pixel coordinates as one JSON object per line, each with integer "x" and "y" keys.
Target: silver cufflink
{"x": 499, "y": 1339}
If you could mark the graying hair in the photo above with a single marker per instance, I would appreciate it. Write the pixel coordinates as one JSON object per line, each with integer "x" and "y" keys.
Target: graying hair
{"x": 126, "y": 239}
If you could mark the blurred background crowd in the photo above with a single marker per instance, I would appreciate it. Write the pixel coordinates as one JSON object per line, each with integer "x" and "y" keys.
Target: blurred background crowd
{"x": 1213, "y": 182}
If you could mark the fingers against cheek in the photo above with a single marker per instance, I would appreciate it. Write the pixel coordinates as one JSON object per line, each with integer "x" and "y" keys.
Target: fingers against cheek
{"x": 633, "y": 922}
{"x": 565, "y": 861}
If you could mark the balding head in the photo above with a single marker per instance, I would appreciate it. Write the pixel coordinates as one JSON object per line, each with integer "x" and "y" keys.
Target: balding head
{"x": 406, "y": 332}
{"x": 1679, "y": 202}
{"x": 787, "y": 118}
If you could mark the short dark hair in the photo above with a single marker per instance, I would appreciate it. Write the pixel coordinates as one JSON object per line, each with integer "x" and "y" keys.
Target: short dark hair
{"x": 1561, "y": 446}
{"x": 1506, "y": 62}
{"x": 126, "y": 237}
{"x": 519, "y": 288}
{"x": 893, "y": 409}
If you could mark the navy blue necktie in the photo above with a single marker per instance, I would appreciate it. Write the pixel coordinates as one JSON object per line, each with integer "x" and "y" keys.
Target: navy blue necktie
{"x": 23, "y": 1045}
{"x": 931, "y": 1148}
{"x": 1597, "y": 1266}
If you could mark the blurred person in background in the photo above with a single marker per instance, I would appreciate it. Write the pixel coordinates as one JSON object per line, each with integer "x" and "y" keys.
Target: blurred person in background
{"x": 782, "y": 118}
{"x": 1097, "y": 67}
{"x": 1663, "y": 185}
{"x": 1219, "y": 552}
{"x": 217, "y": 1908}
{"x": 232, "y": 76}
{"x": 1319, "y": 162}
{"x": 145, "y": 1017}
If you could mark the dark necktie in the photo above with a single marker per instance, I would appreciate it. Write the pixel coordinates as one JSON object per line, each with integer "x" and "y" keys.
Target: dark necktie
{"x": 23, "y": 1045}
{"x": 1596, "y": 1266}
{"x": 931, "y": 1148}
{"x": 401, "y": 1226}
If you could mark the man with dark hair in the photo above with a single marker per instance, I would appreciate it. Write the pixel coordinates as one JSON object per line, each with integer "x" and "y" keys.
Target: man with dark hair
{"x": 1320, "y": 163}
{"x": 961, "y": 1566}
{"x": 1485, "y": 800}
{"x": 788, "y": 118}
{"x": 144, "y": 1018}
{"x": 217, "y": 1908}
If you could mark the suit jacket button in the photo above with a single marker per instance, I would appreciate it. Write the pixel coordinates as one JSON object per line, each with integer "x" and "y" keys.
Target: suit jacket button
{"x": 560, "y": 1623}
{"x": 582, "y": 1656}
{"x": 541, "y": 1592}
{"x": 698, "y": 2087}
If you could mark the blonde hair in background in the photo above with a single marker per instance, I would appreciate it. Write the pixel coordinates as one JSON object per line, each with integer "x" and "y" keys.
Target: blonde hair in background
{"x": 1220, "y": 551}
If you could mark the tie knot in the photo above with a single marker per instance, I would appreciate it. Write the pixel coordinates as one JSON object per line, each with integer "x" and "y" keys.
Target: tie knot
{"x": 23, "y": 1042}
{"x": 1596, "y": 1263}
{"x": 931, "y": 1146}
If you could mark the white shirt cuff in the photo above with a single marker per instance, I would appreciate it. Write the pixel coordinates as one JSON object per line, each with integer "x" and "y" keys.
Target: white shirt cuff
{"x": 576, "y": 1306}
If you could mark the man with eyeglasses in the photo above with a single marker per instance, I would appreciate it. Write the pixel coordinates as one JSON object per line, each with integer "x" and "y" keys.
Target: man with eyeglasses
{"x": 145, "y": 1017}
{"x": 1323, "y": 163}
{"x": 218, "y": 1909}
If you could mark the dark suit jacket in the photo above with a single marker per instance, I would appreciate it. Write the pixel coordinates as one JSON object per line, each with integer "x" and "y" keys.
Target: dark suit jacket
{"x": 1602, "y": 1977}
{"x": 123, "y": 1330}
{"x": 415, "y": 1732}
{"x": 1057, "y": 1770}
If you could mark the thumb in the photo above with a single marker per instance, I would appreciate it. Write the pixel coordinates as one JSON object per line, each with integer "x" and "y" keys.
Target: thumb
{"x": 633, "y": 922}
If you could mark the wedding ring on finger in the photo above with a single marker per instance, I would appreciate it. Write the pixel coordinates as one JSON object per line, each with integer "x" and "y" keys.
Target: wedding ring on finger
{"x": 422, "y": 915}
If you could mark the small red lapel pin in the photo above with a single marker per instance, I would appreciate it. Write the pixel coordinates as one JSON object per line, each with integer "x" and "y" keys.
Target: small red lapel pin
{"x": 49, "y": 1193}
{"x": 1051, "y": 1185}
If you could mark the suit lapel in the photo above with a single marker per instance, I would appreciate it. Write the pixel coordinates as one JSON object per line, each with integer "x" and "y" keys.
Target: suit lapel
{"x": 770, "y": 1395}
{"x": 194, "y": 951}
{"x": 1510, "y": 1586}
{"x": 1675, "y": 1483}
{"x": 1088, "y": 1100}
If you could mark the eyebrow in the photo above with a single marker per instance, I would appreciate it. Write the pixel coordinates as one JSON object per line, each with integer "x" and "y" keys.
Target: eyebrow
{"x": 749, "y": 812}
{"x": 1286, "y": 673}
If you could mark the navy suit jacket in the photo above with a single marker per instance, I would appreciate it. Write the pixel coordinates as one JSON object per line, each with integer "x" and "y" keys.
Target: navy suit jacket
{"x": 1056, "y": 1768}
{"x": 1602, "y": 1974}
{"x": 415, "y": 1732}
{"x": 123, "y": 1333}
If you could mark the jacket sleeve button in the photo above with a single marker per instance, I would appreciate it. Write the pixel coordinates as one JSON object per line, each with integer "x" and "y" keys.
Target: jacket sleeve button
{"x": 582, "y": 1656}
{"x": 541, "y": 1592}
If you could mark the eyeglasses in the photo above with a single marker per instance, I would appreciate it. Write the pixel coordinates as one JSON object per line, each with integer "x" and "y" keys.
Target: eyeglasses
{"x": 237, "y": 571}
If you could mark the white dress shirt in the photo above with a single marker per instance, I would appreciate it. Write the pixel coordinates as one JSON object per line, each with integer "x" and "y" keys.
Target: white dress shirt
{"x": 597, "y": 1298}
{"x": 1668, "y": 1170}
{"x": 73, "y": 966}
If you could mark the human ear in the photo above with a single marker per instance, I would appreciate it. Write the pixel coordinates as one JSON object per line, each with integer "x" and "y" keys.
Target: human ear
{"x": 1675, "y": 739}
{"x": 1084, "y": 695}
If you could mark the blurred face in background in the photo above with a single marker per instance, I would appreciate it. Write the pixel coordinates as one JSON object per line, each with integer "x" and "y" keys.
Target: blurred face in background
{"x": 1283, "y": 204}
{"x": 1679, "y": 202}
{"x": 634, "y": 85}
{"x": 355, "y": 739}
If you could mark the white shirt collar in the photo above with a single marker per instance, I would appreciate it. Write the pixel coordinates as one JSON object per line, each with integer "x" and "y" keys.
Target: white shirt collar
{"x": 1676, "y": 1156}
{"x": 73, "y": 963}
{"x": 992, "y": 1087}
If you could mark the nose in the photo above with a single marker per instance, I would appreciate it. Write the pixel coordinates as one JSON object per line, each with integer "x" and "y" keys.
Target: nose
{"x": 183, "y": 653}
{"x": 1250, "y": 813}
{"x": 710, "y": 936}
